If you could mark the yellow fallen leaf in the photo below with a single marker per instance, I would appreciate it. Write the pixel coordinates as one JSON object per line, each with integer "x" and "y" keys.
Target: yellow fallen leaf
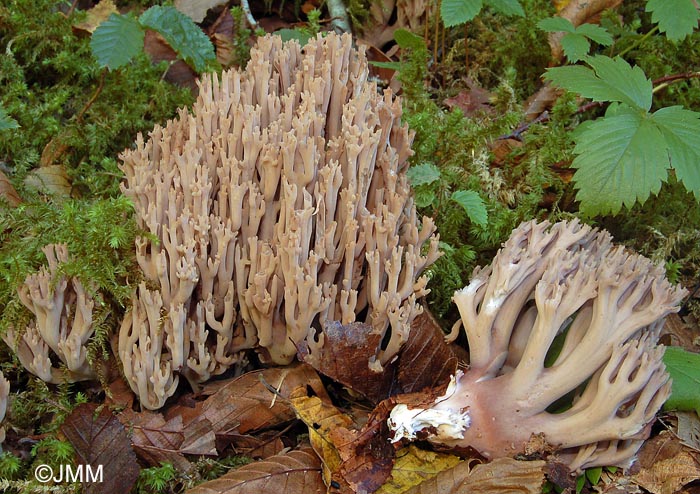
{"x": 413, "y": 466}
{"x": 321, "y": 418}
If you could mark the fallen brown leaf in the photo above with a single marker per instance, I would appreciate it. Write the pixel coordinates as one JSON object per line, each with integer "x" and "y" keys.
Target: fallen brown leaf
{"x": 156, "y": 440}
{"x": 246, "y": 404}
{"x": 666, "y": 465}
{"x": 101, "y": 441}
{"x": 8, "y": 192}
{"x": 471, "y": 101}
{"x": 345, "y": 356}
{"x": 426, "y": 360}
{"x": 179, "y": 72}
{"x": 689, "y": 429}
{"x": 501, "y": 476}
{"x": 297, "y": 471}
{"x": 197, "y": 9}
{"x": 51, "y": 179}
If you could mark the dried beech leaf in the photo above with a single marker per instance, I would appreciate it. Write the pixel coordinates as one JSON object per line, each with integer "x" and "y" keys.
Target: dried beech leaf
{"x": 294, "y": 472}
{"x": 102, "y": 441}
{"x": 426, "y": 360}
{"x": 260, "y": 446}
{"x": 414, "y": 466}
{"x": 8, "y": 192}
{"x": 667, "y": 465}
{"x": 95, "y": 16}
{"x": 51, "y": 179}
{"x": 689, "y": 429}
{"x": 345, "y": 356}
{"x": 156, "y": 440}
{"x": 321, "y": 418}
{"x": 501, "y": 476}
{"x": 245, "y": 404}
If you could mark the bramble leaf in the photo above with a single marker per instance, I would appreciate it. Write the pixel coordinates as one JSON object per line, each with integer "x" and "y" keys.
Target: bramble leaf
{"x": 621, "y": 159}
{"x": 556, "y": 24}
{"x": 425, "y": 173}
{"x": 595, "y": 33}
{"x": 677, "y": 18}
{"x": 507, "y": 7}
{"x": 681, "y": 128}
{"x": 117, "y": 41}
{"x": 610, "y": 79}
{"x": 473, "y": 204}
{"x": 575, "y": 46}
{"x": 456, "y": 12}
{"x": 182, "y": 34}
{"x": 684, "y": 368}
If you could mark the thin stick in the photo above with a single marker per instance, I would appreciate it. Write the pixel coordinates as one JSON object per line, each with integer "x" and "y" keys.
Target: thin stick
{"x": 248, "y": 15}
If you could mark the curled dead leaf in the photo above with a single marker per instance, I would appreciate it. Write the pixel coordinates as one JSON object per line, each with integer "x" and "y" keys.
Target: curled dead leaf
{"x": 8, "y": 192}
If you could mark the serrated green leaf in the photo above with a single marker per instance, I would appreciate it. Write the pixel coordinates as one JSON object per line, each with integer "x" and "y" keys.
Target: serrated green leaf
{"x": 424, "y": 197}
{"x": 473, "y": 204}
{"x": 681, "y": 130}
{"x": 556, "y": 24}
{"x": 621, "y": 159}
{"x": 406, "y": 39}
{"x": 684, "y": 368}
{"x": 676, "y": 18}
{"x": 6, "y": 121}
{"x": 610, "y": 79}
{"x": 456, "y": 12}
{"x": 507, "y": 7}
{"x": 117, "y": 41}
{"x": 182, "y": 34}
{"x": 596, "y": 33}
{"x": 575, "y": 46}
{"x": 423, "y": 174}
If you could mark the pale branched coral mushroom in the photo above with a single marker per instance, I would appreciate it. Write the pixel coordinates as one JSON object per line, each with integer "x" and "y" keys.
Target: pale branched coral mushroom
{"x": 608, "y": 306}
{"x": 62, "y": 324}
{"x": 4, "y": 396}
{"x": 280, "y": 202}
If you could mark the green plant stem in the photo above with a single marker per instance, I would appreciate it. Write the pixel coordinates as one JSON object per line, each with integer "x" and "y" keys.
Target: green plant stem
{"x": 641, "y": 40}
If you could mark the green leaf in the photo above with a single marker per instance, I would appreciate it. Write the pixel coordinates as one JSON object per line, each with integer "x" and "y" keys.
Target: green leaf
{"x": 117, "y": 41}
{"x": 423, "y": 174}
{"x": 610, "y": 79}
{"x": 473, "y": 204}
{"x": 507, "y": 7}
{"x": 621, "y": 159}
{"x": 676, "y": 18}
{"x": 455, "y": 12}
{"x": 182, "y": 34}
{"x": 684, "y": 368}
{"x": 6, "y": 121}
{"x": 681, "y": 129}
{"x": 406, "y": 39}
{"x": 575, "y": 46}
{"x": 596, "y": 33}
{"x": 556, "y": 24}
{"x": 593, "y": 474}
{"x": 289, "y": 34}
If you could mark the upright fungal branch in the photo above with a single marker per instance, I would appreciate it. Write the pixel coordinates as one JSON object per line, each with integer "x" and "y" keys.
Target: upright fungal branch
{"x": 280, "y": 202}
{"x": 607, "y": 304}
{"x": 62, "y": 323}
